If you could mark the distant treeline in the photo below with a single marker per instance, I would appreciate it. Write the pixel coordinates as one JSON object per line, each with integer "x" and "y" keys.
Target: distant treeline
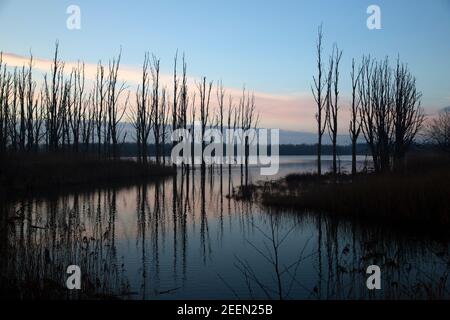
{"x": 131, "y": 149}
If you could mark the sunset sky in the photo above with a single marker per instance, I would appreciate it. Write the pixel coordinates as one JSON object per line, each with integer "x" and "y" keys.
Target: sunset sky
{"x": 267, "y": 45}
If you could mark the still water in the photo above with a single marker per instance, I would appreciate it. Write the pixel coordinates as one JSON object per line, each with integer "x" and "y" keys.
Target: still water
{"x": 183, "y": 238}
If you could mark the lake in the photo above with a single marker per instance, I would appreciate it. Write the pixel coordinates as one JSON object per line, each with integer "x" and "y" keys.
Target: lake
{"x": 183, "y": 238}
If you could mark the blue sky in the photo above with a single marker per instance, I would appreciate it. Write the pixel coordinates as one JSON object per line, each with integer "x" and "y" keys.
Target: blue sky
{"x": 268, "y": 45}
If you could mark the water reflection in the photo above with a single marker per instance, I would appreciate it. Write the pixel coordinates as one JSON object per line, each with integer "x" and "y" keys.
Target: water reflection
{"x": 184, "y": 238}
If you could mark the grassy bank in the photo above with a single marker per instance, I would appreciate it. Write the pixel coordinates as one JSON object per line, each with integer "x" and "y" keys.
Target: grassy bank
{"x": 417, "y": 198}
{"x": 35, "y": 173}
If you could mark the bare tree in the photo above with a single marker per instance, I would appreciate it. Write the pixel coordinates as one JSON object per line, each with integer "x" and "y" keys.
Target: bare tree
{"x": 155, "y": 109}
{"x": 355, "y": 124}
{"x": 142, "y": 116}
{"x": 390, "y": 112}
{"x": 220, "y": 102}
{"x": 408, "y": 115}
{"x": 115, "y": 110}
{"x": 193, "y": 111}
{"x": 175, "y": 99}
{"x": 184, "y": 104}
{"x": 366, "y": 110}
{"x": 230, "y": 115}
{"x": 164, "y": 120}
{"x": 98, "y": 102}
{"x": 320, "y": 98}
{"x": 250, "y": 121}
{"x": 76, "y": 108}
{"x": 57, "y": 103}
{"x": 332, "y": 101}
{"x": 87, "y": 119}
{"x": 5, "y": 92}
{"x": 438, "y": 130}
{"x": 205, "y": 94}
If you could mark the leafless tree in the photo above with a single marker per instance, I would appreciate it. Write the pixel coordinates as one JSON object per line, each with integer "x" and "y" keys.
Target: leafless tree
{"x": 250, "y": 119}
{"x": 438, "y": 130}
{"x": 230, "y": 115}
{"x": 193, "y": 115}
{"x": 355, "y": 124}
{"x": 98, "y": 103}
{"x": 320, "y": 98}
{"x": 390, "y": 112}
{"x": 175, "y": 99}
{"x": 220, "y": 109}
{"x": 57, "y": 97}
{"x": 164, "y": 120}
{"x": 5, "y": 92}
{"x": 115, "y": 109}
{"x": 408, "y": 115}
{"x": 332, "y": 101}
{"x": 376, "y": 111}
{"x": 77, "y": 108}
{"x": 184, "y": 104}
{"x": 366, "y": 110}
{"x": 205, "y": 95}
{"x": 142, "y": 116}
{"x": 155, "y": 107}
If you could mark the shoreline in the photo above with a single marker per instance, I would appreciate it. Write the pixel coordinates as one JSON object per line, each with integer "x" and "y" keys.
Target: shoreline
{"x": 38, "y": 174}
{"x": 416, "y": 200}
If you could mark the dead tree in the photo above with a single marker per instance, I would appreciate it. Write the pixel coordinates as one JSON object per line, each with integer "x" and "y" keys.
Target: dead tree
{"x": 205, "y": 95}
{"x": 12, "y": 120}
{"x": 142, "y": 116}
{"x": 164, "y": 120}
{"x": 230, "y": 141}
{"x": 250, "y": 121}
{"x": 87, "y": 119}
{"x": 155, "y": 108}
{"x": 184, "y": 103}
{"x": 193, "y": 132}
{"x": 408, "y": 115}
{"x": 22, "y": 78}
{"x": 98, "y": 102}
{"x": 32, "y": 106}
{"x": 56, "y": 92}
{"x": 355, "y": 124}
{"x": 320, "y": 98}
{"x": 391, "y": 114}
{"x": 241, "y": 133}
{"x": 438, "y": 130}
{"x": 332, "y": 102}
{"x": 175, "y": 101}
{"x": 220, "y": 102}
{"x": 367, "y": 112}
{"x": 75, "y": 110}
{"x": 114, "y": 109}
{"x": 5, "y": 93}
{"x": 382, "y": 103}
{"x": 39, "y": 119}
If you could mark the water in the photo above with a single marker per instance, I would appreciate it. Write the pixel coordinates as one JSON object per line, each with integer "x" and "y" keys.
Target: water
{"x": 184, "y": 239}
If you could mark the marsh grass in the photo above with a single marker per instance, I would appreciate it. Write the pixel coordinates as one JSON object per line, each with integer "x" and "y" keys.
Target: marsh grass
{"x": 416, "y": 199}
{"x": 35, "y": 173}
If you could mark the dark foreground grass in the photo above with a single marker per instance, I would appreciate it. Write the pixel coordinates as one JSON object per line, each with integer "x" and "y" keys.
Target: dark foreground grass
{"x": 35, "y": 173}
{"x": 419, "y": 198}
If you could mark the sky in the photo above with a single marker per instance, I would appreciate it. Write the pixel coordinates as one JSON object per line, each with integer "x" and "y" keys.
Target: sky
{"x": 268, "y": 46}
